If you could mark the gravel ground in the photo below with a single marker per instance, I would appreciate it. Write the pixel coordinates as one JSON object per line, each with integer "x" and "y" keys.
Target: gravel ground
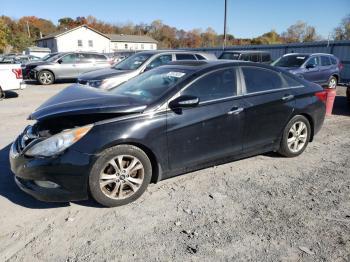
{"x": 264, "y": 208}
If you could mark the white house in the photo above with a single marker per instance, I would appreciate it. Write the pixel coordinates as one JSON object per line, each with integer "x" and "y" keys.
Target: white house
{"x": 84, "y": 38}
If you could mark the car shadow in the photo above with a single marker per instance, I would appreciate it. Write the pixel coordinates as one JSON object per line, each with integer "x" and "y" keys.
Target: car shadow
{"x": 10, "y": 191}
{"x": 10, "y": 94}
{"x": 63, "y": 81}
{"x": 341, "y": 106}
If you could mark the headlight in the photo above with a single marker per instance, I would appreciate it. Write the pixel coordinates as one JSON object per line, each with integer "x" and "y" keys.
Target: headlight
{"x": 58, "y": 143}
{"x": 108, "y": 83}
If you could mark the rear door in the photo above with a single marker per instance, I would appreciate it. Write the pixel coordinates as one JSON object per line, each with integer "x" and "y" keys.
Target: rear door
{"x": 211, "y": 130}
{"x": 269, "y": 105}
{"x": 325, "y": 69}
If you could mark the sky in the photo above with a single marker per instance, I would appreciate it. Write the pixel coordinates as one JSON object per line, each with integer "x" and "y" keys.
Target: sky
{"x": 246, "y": 18}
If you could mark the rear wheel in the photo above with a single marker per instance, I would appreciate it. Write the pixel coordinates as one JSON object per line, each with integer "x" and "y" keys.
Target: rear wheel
{"x": 120, "y": 175}
{"x": 2, "y": 94}
{"x": 332, "y": 82}
{"x": 296, "y": 137}
{"x": 46, "y": 77}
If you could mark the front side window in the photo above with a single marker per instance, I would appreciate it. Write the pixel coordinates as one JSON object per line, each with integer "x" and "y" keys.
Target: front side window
{"x": 151, "y": 85}
{"x": 245, "y": 57}
{"x": 69, "y": 59}
{"x": 260, "y": 79}
{"x": 325, "y": 61}
{"x": 215, "y": 85}
{"x": 133, "y": 62}
{"x": 185, "y": 57}
{"x": 312, "y": 62}
{"x": 80, "y": 43}
{"x": 255, "y": 58}
{"x": 291, "y": 61}
{"x": 160, "y": 60}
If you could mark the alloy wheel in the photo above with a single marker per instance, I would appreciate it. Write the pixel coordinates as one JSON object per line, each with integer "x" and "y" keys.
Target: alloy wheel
{"x": 333, "y": 83}
{"x": 46, "y": 78}
{"x": 297, "y": 136}
{"x": 121, "y": 177}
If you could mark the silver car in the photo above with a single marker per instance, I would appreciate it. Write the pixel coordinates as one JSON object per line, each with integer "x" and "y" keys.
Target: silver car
{"x": 65, "y": 66}
{"x": 137, "y": 64}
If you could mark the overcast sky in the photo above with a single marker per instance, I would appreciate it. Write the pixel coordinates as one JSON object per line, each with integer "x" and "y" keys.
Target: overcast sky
{"x": 246, "y": 18}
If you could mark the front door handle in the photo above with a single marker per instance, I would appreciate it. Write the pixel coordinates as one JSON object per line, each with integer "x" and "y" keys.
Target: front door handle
{"x": 287, "y": 97}
{"x": 235, "y": 111}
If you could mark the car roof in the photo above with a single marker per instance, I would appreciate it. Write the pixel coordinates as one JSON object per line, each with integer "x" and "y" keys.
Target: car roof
{"x": 154, "y": 52}
{"x": 246, "y": 51}
{"x": 308, "y": 54}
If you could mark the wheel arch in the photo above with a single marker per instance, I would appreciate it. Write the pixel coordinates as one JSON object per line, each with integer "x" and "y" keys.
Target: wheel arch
{"x": 311, "y": 121}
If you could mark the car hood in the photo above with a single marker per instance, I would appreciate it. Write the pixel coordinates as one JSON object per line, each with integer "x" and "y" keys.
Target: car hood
{"x": 78, "y": 100}
{"x": 103, "y": 74}
{"x": 37, "y": 63}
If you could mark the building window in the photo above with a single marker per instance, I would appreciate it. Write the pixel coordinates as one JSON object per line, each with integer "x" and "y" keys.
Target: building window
{"x": 126, "y": 46}
{"x": 142, "y": 46}
{"x": 80, "y": 43}
{"x": 91, "y": 43}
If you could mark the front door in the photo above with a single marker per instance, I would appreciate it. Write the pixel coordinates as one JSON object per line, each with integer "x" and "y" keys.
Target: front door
{"x": 68, "y": 67}
{"x": 312, "y": 71}
{"x": 212, "y": 129}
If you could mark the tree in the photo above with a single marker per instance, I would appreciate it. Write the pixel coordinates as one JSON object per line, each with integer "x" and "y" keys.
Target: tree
{"x": 300, "y": 32}
{"x": 4, "y": 35}
{"x": 342, "y": 32}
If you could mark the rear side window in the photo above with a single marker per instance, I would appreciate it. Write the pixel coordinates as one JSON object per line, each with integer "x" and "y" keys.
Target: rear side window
{"x": 216, "y": 85}
{"x": 185, "y": 57}
{"x": 260, "y": 79}
{"x": 325, "y": 61}
{"x": 265, "y": 57}
{"x": 254, "y": 58}
{"x": 333, "y": 60}
{"x": 200, "y": 57}
{"x": 245, "y": 57}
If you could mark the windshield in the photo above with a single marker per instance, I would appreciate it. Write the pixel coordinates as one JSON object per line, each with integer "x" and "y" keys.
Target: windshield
{"x": 151, "y": 85}
{"x": 53, "y": 58}
{"x": 133, "y": 62}
{"x": 45, "y": 58}
{"x": 291, "y": 61}
{"x": 230, "y": 56}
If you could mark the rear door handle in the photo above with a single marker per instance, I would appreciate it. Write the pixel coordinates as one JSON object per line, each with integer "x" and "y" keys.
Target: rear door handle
{"x": 235, "y": 111}
{"x": 287, "y": 97}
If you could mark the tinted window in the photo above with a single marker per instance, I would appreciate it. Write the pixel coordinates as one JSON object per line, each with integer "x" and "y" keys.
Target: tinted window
{"x": 200, "y": 57}
{"x": 259, "y": 79}
{"x": 185, "y": 57}
{"x": 160, "y": 60}
{"x": 245, "y": 57}
{"x": 219, "y": 84}
{"x": 255, "y": 58}
{"x": 333, "y": 60}
{"x": 325, "y": 61}
{"x": 291, "y": 61}
{"x": 265, "y": 57}
{"x": 230, "y": 56}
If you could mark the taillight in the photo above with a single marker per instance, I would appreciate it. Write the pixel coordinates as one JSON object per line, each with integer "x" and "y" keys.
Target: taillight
{"x": 18, "y": 73}
{"x": 322, "y": 95}
{"x": 340, "y": 66}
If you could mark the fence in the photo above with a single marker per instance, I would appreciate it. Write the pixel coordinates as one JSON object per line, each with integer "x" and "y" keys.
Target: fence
{"x": 340, "y": 49}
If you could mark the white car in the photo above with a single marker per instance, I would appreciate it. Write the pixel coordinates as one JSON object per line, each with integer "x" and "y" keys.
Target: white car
{"x": 10, "y": 78}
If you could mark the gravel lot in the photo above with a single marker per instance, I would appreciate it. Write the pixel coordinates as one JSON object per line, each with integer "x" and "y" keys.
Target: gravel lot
{"x": 264, "y": 208}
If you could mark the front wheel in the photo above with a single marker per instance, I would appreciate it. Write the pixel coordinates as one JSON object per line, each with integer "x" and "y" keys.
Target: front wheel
{"x": 120, "y": 175}
{"x": 296, "y": 137}
{"x": 46, "y": 77}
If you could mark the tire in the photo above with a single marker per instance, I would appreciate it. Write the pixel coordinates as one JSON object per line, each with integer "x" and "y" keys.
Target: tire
{"x": 332, "y": 82}
{"x": 2, "y": 94}
{"x": 111, "y": 184}
{"x": 293, "y": 132}
{"x": 46, "y": 77}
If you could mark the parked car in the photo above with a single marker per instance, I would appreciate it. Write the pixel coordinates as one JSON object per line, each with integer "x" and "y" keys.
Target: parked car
{"x": 253, "y": 56}
{"x": 21, "y": 59}
{"x": 10, "y": 78}
{"x": 65, "y": 66}
{"x": 323, "y": 69}
{"x": 165, "y": 122}
{"x": 137, "y": 64}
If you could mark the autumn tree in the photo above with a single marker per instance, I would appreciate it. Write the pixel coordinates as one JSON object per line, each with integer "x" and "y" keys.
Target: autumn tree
{"x": 300, "y": 32}
{"x": 342, "y": 32}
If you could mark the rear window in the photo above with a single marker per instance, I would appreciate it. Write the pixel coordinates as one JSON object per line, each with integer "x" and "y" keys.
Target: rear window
{"x": 185, "y": 57}
{"x": 325, "y": 61}
{"x": 261, "y": 79}
{"x": 333, "y": 60}
{"x": 230, "y": 56}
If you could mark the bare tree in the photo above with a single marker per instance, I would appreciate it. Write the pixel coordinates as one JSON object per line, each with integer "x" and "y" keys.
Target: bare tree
{"x": 342, "y": 32}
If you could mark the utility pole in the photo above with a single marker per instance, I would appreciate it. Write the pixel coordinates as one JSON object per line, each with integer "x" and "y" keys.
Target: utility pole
{"x": 225, "y": 26}
{"x": 28, "y": 29}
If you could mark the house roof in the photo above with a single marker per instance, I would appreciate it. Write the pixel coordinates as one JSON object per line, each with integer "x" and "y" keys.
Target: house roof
{"x": 62, "y": 32}
{"x": 131, "y": 38}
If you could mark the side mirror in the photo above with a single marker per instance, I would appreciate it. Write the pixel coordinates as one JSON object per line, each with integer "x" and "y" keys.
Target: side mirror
{"x": 184, "y": 102}
{"x": 59, "y": 61}
{"x": 308, "y": 66}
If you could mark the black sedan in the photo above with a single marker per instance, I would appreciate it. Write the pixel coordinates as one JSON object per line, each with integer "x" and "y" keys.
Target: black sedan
{"x": 168, "y": 121}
